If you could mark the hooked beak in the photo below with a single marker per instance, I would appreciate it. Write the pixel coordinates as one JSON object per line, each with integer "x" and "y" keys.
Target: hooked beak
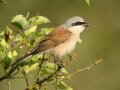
{"x": 86, "y": 24}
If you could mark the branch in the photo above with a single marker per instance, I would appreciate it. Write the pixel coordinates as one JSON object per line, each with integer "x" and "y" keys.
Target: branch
{"x": 78, "y": 71}
{"x": 40, "y": 66}
{"x": 13, "y": 68}
{"x": 87, "y": 68}
{"x": 22, "y": 77}
{"x": 8, "y": 82}
{"x": 25, "y": 77}
{"x": 45, "y": 79}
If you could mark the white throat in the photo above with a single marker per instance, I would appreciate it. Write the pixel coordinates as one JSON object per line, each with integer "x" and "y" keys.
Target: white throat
{"x": 76, "y": 30}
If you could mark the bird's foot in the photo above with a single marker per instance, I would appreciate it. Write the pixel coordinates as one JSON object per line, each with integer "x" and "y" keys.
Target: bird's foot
{"x": 60, "y": 63}
{"x": 72, "y": 56}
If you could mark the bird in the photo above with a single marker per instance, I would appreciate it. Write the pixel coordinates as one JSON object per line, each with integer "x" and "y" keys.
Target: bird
{"x": 60, "y": 41}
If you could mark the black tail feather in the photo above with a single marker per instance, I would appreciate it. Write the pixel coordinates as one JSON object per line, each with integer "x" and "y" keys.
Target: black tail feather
{"x": 20, "y": 59}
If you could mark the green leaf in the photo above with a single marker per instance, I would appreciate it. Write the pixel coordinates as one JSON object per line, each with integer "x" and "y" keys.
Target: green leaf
{"x": 48, "y": 71}
{"x": 31, "y": 30}
{"x": 3, "y": 1}
{"x": 34, "y": 21}
{"x": 50, "y": 79}
{"x": 20, "y": 38}
{"x": 45, "y": 88}
{"x": 3, "y": 43}
{"x": 7, "y": 34}
{"x": 9, "y": 54}
{"x": 12, "y": 54}
{"x": 6, "y": 62}
{"x": 15, "y": 53}
{"x": 27, "y": 69}
{"x": 49, "y": 65}
{"x": 64, "y": 71}
{"x": 36, "y": 57}
{"x": 63, "y": 86}
{"x": 87, "y": 2}
{"x": 1, "y": 33}
{"x": 38, "y": 39}
{"x": 48, "y": 68}
{"x": 19, "y": 21}
{"x": 45, "y": 31}
{"x": 68, "y": 88}
{"x": 8, "y": 30}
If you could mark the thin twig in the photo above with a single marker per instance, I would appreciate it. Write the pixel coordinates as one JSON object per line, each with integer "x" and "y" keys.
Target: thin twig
{"x": 8, "y": 82}
{"x": 21, "y": 77}
{"x": 86, "y": 68}
{"x": 78, "y": 71}
{"x": 58, "y": 69}
{"x": 12, "y": 42}
{"x": 15, "y": 73}
{"x": 55, "y": 74}
{"x": 8, "y": 74}
{"x": 45, "y": 79}
{"x": 28, "y": 14}
{"x": 25, "y": 77}
{"x": 40, "y": 67}
{"x": 56, "y": 79}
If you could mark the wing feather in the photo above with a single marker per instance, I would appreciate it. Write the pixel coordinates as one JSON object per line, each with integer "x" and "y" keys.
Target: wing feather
{"x": 56, "y": 37}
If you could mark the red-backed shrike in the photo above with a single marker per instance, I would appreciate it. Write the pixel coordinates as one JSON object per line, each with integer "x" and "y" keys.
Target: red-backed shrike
{"x": 61, "y": 40}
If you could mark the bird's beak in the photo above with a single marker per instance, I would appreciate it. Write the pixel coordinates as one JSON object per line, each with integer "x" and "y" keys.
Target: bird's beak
{"x": 86, "y": 24}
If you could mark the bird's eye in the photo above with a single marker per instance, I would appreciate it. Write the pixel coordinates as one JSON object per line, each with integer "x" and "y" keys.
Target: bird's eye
{"x": 78, "y": 23}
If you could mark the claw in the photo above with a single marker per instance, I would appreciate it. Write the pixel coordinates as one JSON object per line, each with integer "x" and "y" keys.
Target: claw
{"x": 60, "y": 63}
{"x": 72, "y": 56}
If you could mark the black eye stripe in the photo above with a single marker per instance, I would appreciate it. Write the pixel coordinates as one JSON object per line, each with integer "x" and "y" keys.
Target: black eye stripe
{"x": 78, "y": 23}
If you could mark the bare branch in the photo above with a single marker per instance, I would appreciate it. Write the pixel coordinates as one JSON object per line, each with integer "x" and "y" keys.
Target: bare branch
{"x": 8, "y": 83}
{"x": 25, "y": 77}
{"x": 45, "y": 79}
{"x": 78, "y": 71}
{"x": 87, "y": 68}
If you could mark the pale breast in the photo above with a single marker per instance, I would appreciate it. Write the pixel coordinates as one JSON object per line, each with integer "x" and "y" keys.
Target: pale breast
{"x": 64, "y": 48}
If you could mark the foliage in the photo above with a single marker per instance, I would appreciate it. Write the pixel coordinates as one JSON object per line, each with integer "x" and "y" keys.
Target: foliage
{"x": 87, "y": 2}
{"x": 15, "y": 45}
{"x": 19, "y": 41}
{"x": 3, "y": 1}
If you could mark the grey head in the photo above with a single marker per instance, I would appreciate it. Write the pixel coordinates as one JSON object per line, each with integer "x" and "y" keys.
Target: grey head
{"x": 75, "y": 21}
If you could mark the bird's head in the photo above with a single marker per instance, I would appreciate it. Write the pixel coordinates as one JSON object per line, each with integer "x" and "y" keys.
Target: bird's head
{"x": 75, "y": 24}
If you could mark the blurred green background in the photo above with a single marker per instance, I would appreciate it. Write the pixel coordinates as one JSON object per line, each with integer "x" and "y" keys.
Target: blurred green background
{"x": 100, "y": 40}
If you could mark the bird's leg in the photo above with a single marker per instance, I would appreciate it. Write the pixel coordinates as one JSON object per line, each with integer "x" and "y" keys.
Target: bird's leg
{"x": 40, "y": 67}
{"x": 59, "y": 62}
{"x": 72, "y": 56}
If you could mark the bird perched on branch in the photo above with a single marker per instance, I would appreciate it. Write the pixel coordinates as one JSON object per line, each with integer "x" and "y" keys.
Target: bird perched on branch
{"x": 60, "y": 41}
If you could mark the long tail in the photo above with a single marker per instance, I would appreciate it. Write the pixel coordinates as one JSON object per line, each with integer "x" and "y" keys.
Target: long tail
{"x": 21, "y": 59}
{"x": 32, "y": 52}
{"x": 14, "y": 65}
